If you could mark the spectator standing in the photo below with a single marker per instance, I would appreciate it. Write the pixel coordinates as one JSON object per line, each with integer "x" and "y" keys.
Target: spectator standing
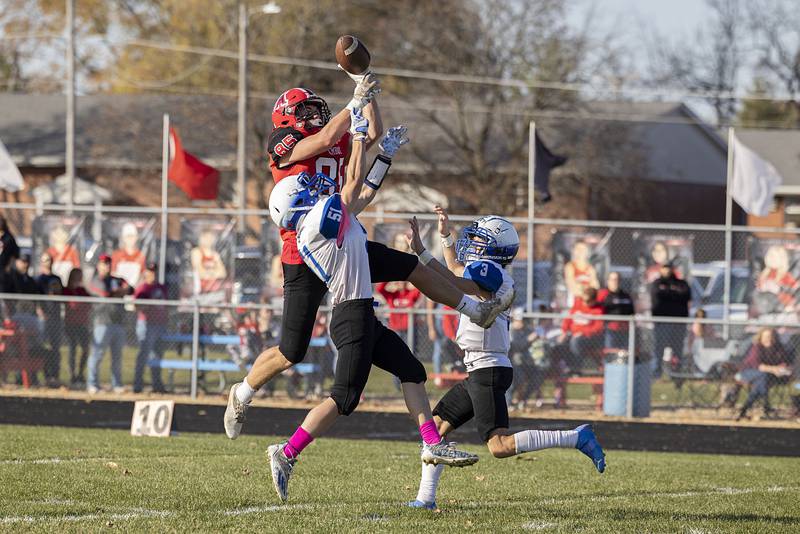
{"x": 8, "y": 245}
{"x": 23, "y": 312}
{"x": 399, "y": 295}
{"x": 442, "y": 330}
{"x": 108, "y": 329}
{"x": 767, "y": 363}
{"x": 151, "y": 326}
{"x": 584, "y": 334}
{"x": 50, "y": 314}
{"x": 527, "y": 353}
{"x": 76, "y": 321}
{"x": 670, "y": 297}
{"x": 615, "y": 301}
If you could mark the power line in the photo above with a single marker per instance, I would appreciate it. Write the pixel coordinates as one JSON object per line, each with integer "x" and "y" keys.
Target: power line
{"x": 519, "y": 113}
{"x": 459, "y": 78}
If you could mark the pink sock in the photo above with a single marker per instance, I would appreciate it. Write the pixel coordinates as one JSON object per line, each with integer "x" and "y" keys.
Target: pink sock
{"x": 299, "y": 441}
{"x": 430, "y": 435}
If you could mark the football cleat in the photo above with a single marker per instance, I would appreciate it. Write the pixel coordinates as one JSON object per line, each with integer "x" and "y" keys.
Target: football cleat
{"x": 490, "y": 309}
{"x": 234, "y": 414}
{"x": 419, "y": 504}
{"x": 446, "y": 454}
{"x": 281, "y": 468}
{"x": 588, "y": 445}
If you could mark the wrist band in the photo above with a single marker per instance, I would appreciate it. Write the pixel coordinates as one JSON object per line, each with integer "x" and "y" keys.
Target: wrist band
{"x": 425, "y": 257}
{"x": 376, "y": 174}
{"x": 447, "y": 240}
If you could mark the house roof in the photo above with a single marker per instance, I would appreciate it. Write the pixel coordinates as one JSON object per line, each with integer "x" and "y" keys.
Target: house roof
{"x": 124, "y": 131}
{"x": 782, "y": 149}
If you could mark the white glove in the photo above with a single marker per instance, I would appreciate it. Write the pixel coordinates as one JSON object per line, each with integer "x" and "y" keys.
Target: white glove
{"x": 356, "y": 77}
{"x": 364, "y": 92}
{"x": 359, "y": 125}
{"x": 395, "y": 138}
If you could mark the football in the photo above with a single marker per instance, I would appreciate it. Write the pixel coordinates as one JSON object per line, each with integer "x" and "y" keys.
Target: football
{"x": 352, "y": 55}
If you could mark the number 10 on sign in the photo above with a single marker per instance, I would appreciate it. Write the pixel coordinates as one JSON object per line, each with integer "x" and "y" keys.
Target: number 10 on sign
{"x": 152, "y": 418}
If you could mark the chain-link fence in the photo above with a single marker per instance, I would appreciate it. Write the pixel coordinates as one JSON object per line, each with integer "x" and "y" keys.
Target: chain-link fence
{"x": 629, "y": 365}
{"x": 222, "y": 294}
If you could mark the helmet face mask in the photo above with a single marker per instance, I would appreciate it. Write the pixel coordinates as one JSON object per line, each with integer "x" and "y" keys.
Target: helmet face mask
{"x": 489, "y": 238}
{"x": 294, "y": 196}
{"x": 300, "y": 109}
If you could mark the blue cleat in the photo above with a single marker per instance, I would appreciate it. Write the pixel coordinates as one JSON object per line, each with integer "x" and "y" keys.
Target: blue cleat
{"x": 420, "y": 504}
{"x": 588, "y": 445}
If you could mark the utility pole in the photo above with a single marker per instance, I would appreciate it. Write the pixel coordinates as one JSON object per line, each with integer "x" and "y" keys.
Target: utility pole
{"x": 69, "y": 163}
{"x": 241, "y": 137}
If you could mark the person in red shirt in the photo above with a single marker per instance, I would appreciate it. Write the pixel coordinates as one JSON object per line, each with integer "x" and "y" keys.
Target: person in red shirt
{"x": 442, "y": 329}
{"x": 398, "y": 295}
{"x": 583, "y": 333}
{"x": 127, "y": 262}
{"x": 151, "y": 326}
{"x": 76, "y": 329}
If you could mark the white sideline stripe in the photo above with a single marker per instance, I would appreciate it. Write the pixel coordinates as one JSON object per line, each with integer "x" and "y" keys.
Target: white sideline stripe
{"x": 538, "y": 525}
{"x": 135, "y": 513}
{"x": 140, "y": 513}
{"x": 271, "y": 508}
{"x": 601, "y": 498}
{"x": 56, "y": 460}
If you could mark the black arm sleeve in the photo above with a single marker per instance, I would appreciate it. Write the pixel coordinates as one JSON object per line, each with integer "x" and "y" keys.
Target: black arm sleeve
{"x": 281, "y": 141}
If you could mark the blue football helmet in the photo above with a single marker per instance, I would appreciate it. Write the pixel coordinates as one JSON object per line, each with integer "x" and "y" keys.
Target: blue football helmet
{"x": 488, "y": 238}
{"x": 294, "y": 196}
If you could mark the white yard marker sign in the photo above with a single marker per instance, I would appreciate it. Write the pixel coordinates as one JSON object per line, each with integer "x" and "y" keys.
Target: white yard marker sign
{"x": 152, "y": 418}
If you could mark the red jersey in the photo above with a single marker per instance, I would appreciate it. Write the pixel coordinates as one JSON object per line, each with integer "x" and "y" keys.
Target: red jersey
{"x": 402, "y": 298}
{"x": 575, "y": 324}
{"x": 331, "y": 163}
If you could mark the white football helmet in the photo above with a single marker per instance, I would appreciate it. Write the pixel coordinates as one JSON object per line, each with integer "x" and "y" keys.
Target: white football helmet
{"x": 295, "y": 195}
{"x": 488, "y": 238}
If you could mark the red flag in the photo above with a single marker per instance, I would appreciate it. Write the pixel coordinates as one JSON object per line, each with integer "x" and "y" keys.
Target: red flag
{"x": 198, "y": 180}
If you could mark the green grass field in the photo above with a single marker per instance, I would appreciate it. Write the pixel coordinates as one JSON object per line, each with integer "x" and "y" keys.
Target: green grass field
{"x": 67, "y": 480}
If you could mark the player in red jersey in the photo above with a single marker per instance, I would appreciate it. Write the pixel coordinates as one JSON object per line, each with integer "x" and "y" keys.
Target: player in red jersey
{"x": 307, "y": 139}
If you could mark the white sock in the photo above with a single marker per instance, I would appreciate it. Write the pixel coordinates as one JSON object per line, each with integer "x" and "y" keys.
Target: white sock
{"x": 535, "y": 440}
{"x": 244, "y": 393}
{"x": 469, "y": 307}
{"x": 429, "y": 482}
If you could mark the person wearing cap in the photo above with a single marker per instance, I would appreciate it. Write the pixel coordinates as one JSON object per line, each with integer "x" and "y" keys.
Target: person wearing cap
{"x": 151, "y": 326}
{"x": 670, "y": 296}
{"x": 50, "y": 314}
{"x": 127, "y": 262}
{"x": 23, "y": 312}
{"x": 108, "y": 321}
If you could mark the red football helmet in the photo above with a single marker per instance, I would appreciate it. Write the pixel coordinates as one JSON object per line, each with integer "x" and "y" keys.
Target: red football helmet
{"x": 298, "y": 108}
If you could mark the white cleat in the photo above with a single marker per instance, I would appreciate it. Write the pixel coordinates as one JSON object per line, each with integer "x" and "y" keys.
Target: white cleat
{"x": 446, "y": 454}
{"x": 490, "y": 309}
{"x": 234, "y": 414}
{"x": 281, "y": 468}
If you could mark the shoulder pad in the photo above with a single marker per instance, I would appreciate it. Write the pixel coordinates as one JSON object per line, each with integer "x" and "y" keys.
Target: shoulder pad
{"x": 487, "y": 275}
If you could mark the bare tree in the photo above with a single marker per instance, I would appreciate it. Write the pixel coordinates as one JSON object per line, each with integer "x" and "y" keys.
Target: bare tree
{"x": 711, "y": 62}
{"x": 777, "y": 28}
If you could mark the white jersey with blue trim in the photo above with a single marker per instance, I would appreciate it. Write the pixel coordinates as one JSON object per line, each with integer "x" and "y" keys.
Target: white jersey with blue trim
{"x": 334, "y": 245}
{"x": 486, "y": 347}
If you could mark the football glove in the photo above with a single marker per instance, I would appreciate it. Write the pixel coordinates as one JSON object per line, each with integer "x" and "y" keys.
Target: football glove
{"x": 364, "y": 92}
{"x": 359, "y": 125}
{"x": 395, "y": 138}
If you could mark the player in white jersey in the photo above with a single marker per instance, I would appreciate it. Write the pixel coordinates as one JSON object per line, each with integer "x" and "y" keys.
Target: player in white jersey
{"x": 333, "y": 244}
{"x": 476, "y": 265}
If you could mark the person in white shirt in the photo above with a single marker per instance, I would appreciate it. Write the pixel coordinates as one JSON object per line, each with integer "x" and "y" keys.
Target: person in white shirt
{"x": 333, "y": 244}
{"x": 476, "y": 265}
